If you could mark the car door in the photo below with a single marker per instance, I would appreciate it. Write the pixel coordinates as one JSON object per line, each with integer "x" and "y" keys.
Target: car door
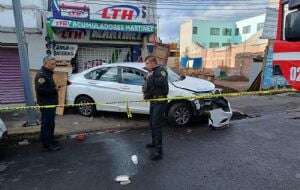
{"x": 104, "y": 88}
{"x": 132, "y": 81}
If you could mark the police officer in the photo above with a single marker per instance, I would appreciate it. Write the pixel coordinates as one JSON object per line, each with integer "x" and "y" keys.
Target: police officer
{"x": 156, "y": 86}
{"x": 46, "y": 93}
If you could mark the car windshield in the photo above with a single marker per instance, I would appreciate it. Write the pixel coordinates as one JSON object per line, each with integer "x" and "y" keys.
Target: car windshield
{"x": 173, "y": 77}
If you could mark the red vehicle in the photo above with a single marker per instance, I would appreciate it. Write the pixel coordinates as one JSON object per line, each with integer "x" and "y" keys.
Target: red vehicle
{"x": 287, "y": 43}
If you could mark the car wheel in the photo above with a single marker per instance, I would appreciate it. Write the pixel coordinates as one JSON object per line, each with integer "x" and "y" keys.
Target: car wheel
{"x": 179, "y": 114}
{"x": 86, "y": 110}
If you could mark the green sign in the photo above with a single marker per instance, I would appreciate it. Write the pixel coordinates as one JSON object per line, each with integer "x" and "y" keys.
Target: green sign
{"x": 143, "y": 28}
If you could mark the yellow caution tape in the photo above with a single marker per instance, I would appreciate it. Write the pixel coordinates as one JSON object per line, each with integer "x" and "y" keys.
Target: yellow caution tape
{"x": 204, "y": 96}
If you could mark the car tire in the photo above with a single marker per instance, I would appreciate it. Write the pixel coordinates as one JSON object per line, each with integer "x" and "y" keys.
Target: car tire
{"x": 86, "y": 110}
{"x": 180, "y": 114}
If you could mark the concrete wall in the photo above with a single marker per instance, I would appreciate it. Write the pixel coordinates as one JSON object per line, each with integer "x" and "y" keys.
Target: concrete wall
{"x": 186, "y": 30}
{"x": 227, "y": 57}
{"x": 252, "y": 22}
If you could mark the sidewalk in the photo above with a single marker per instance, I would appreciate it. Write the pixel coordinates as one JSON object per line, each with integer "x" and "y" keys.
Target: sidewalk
{"x": 72, "y": 123}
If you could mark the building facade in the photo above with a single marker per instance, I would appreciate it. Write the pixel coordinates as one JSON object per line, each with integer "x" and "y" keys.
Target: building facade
{"x": 211, "y": 34}
{"x": 11, "y": 85}
{"x": 249, "y": 27}
{"x": 88, "y": 34}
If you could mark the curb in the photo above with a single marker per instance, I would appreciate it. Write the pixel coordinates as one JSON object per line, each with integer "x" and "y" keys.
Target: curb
{"x": 34, "y": 136}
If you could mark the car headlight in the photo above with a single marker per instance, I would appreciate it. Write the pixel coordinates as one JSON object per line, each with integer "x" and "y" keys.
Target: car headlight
{"x": 218, "y": 91}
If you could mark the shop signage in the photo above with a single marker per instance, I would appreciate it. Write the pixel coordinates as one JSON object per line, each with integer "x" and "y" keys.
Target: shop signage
{"x": 130, "y": 11}
{"x": 114, "y": 35}
{"x": 74, "y": 11}
{"x": 64, "y": 51}
{"x": 73, "y": 24}
{"x": 72, "y": 34}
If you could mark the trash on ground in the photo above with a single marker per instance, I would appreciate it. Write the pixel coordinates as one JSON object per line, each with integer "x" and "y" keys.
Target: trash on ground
{"x": 24, "y": 142}
{"x": 125, "y": 182}
{"x": 81, "y": 137}
{"x": 122, "y": 178}
{"x": 76, "y": 123}
{"x": 189, "y": 131}
{"x": 134, "y": 159}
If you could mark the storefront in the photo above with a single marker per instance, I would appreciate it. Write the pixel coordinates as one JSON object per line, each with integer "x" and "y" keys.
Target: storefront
{"x": 87, "y": 35}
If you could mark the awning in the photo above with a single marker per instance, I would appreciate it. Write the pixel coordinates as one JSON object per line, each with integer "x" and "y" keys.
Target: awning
{"x": 124, "y": 27}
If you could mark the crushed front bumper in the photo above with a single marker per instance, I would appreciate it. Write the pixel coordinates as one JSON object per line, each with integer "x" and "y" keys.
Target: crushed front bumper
{"x": 218, "y": 110}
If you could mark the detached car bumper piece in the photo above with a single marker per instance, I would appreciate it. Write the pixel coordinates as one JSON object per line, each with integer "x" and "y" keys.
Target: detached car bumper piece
{"x": 219, "y": 111}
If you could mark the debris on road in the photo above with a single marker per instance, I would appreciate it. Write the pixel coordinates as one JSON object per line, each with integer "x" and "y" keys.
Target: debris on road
{"x": 81, "y": 137}
{"x": 125, "y": 182}
{"x": 134, "y": 159}
{"x": 24, "y": 142}
{"x": 123, "y": 179}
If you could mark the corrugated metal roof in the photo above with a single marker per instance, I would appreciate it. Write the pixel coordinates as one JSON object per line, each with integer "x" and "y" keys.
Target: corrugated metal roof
{"x": 270, "y": 26}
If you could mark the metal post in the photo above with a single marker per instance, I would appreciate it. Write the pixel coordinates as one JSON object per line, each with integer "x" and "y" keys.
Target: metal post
{"x": 24, "y": 60}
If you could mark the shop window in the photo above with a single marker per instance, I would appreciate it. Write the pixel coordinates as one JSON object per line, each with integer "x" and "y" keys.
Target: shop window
{"x": 109, "y": 74}
{"x": 195, "y": 30}
{"x": 215, "y": 31}
{"x": 247, "y": 29}
{"x": 132, "y": 76}
{"x": 227, "y": 32}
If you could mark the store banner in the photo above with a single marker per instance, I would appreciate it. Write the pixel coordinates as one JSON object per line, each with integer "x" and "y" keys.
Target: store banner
{"x": 128, "y": 11}
{"x": 115, "y": 35}
{"x": 73, "y": 24}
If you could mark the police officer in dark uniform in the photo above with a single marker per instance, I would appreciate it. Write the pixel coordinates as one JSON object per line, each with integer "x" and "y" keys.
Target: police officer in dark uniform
{"x": 156, "y": 86}
{"x": 46, "y": 93}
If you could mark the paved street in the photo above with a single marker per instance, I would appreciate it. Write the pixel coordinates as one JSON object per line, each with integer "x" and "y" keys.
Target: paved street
{"x": 255, "y": 153}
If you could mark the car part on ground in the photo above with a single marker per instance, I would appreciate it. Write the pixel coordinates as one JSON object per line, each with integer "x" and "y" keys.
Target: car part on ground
{"x": 220, "y": 113}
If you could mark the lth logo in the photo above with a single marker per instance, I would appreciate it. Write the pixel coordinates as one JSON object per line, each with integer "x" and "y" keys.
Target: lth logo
{"x": 122, "y": 12}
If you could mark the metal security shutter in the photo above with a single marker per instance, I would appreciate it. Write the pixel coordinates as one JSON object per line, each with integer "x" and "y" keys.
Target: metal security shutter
{"x": 11, "y": 85}
{"x": 91, "y": 57}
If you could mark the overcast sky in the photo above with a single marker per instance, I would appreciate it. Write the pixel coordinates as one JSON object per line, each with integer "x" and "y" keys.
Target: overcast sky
{"x": 171, "y": 18}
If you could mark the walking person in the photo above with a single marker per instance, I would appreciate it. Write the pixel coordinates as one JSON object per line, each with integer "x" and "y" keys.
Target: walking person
{"x": 46, "y": 93}
{"x": 156, "y": 86}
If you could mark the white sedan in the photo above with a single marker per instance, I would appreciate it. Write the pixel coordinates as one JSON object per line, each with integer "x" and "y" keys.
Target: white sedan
{"x": 109, "y": 86}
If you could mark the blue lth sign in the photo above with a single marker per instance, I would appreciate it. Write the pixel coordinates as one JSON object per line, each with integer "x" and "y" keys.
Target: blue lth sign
{"x": 130, "y": 11}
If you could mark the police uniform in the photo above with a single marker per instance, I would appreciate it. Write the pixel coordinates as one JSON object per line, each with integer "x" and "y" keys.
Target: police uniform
{"x": 46, "y": 94}
{"x": 156, "y": 86}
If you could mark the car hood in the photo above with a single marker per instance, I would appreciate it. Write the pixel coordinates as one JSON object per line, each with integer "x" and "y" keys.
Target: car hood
{"x": 195, "y": 84}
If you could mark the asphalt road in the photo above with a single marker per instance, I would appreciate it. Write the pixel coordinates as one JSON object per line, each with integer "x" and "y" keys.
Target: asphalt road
{"x": 254, "y": 153}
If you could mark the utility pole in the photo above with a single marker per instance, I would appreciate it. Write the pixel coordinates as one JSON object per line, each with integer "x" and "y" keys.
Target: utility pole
{"x": 24, "y": 61}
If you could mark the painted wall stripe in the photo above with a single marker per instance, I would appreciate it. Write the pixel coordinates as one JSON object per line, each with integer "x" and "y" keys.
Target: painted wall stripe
{"x": 288, "y": 56}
